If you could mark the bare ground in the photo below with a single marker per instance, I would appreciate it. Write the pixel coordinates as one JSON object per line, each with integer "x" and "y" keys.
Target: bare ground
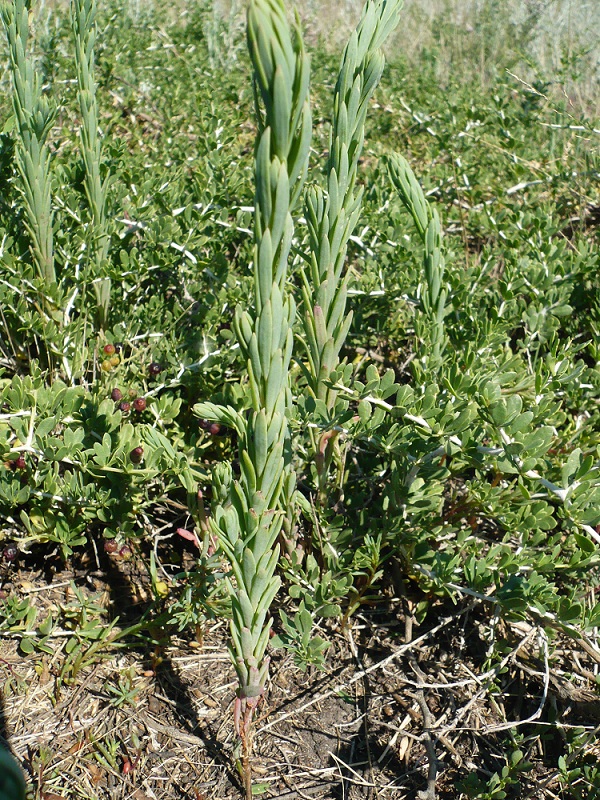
{"x": 401, "y": 711}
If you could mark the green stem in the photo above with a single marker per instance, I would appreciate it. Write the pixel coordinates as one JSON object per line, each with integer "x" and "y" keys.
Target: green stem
{"x": 83, "y": 16}
{"x": 249, "y": 514}
{"x": 432, "y": 291}
{"x": 332, "y": 214}
{"x": 34, "y": 117}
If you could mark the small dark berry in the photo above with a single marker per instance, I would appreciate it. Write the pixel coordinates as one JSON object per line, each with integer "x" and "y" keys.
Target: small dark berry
{"x": 125, "y": 406}
{"x": 110, "y": 546}
{"x": 154, "y": 369}
{"x": 10, "y": 552}
{"x": 20, "y": 462}
{"x": 136, "y": 455}
{"x": 118, "y": 347}
{"x": 204, "y": 424}
{"x": 116, "y": 395}
{"x": 139, "y": 403}
{"x": 125, "y": 551}
{"x": 214, "y": 429}
{"x": 110, "y": 349}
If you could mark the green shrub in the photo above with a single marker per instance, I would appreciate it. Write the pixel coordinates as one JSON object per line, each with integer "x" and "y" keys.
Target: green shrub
{"x": 427, "y": 424}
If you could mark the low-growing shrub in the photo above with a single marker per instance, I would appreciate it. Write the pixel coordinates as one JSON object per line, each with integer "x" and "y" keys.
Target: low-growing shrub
{"x": 425, "y": 426}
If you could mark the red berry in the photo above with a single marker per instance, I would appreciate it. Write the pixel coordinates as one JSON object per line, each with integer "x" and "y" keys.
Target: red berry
{"x": 136, "y": 455}
{"x": 139, "y": 403}
{"x": 110, "y": 349}
{"x": 110, "y": 546}
{"x": 10, "y": 552}
{"x": 20, "y": 462}
{"x": 125, "y": 406}
{"x": 116, "y": 395}
{"x": 214, "y": 429}
{"x": 125, "y": 551}
{"x": 154, "y": 369}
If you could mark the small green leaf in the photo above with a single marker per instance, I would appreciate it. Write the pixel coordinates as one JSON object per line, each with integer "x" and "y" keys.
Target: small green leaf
{"x": 584, "y": 543}
{"x": 27, "y": 645}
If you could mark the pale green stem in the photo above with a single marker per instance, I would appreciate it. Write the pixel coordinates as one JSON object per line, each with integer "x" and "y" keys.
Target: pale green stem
{"x": 332, "y": 214}
{"x": 432, "y": 291}
{"x": 250, "y": 520}
{"x": 34, "y": 117}
{"x": 83, "y": 15}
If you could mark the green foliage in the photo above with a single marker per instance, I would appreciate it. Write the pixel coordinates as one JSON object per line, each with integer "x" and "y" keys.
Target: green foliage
{"x": 332, "y": 214}
{"x": 578, "y": 770}
{"x": 308, "y": 650}
{"x": 437, "y": 424}
{"x": 78, "y": 471}
{"x": 249, "y": 527}
{"x": 34, "y": 116}
{"x": 124, "y": 691}
{"x": 431, "y": 291}
{"x": 83, "y": 22}
{"x": 502, "y": 784}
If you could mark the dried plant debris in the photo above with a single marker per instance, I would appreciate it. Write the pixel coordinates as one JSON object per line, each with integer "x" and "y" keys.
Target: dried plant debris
{"x": 159, "y": 722}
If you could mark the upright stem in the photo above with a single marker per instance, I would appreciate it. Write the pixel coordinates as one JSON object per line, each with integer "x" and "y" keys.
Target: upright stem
{"x": 34, "y": 117}
{"x": 332, "y": 214}
{"x": 249, "y": 516}
{"x": 246, "y": 737}
{"x": 83, "y": 16}
{"x": 432, "y": 291}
